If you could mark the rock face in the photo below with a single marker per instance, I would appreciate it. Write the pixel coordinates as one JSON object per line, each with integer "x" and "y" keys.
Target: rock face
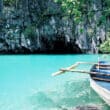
{"x": 37, "y": 26}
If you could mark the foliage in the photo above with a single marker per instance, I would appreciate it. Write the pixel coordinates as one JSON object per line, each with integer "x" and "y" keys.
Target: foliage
{"x": 74, "y": 7}
{"x": 80, "y": 8}
{"x": 105, "y": 47}
{"x": 105, "y": 12}
{"x": 106, "y": 3}
{"x": 30, "y": 31}
{"x": 9, "y": 2}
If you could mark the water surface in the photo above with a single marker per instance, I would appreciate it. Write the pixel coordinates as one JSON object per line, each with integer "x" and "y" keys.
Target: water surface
{"x": 26, "y": 83}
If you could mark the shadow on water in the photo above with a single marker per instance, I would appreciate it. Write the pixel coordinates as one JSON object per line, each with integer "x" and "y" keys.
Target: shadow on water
{"x": 72, "y": 95}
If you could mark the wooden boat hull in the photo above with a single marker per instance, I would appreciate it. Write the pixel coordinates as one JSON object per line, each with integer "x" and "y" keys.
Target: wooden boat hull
{"x": 103, "y": 93}
{"x": 102, "y": 87}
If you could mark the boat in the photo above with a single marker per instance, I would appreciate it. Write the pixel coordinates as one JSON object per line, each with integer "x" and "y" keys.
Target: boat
{"x": 99, "y": 77}
{"x": 99, "y": 83}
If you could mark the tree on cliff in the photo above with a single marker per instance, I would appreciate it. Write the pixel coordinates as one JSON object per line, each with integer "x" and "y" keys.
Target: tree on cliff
{"x": 80, "y": 8}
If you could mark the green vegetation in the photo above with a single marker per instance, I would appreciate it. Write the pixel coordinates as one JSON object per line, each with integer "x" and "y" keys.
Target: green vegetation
{"x": 74, "y": 8}
{"x": 105, "y": 47}
{"x": 9, "y": 2}
{"x": 80, "y": 8}
{"x": 29, "y": 32}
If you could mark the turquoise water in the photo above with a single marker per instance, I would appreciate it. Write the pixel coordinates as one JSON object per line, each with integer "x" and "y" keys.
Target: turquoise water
{"x": 26, "y": 83}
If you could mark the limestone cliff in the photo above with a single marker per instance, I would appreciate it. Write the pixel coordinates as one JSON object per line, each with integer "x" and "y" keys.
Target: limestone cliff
{"x": 39, "y": 26}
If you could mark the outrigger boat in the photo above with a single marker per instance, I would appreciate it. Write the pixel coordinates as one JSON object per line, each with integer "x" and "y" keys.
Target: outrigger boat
{"x": 99, "y": 77}
{"x": 101, "y": 83}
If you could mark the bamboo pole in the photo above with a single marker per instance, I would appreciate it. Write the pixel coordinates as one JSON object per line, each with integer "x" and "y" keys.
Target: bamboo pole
{"x": 77, "y": 64}
{"x": 88, "y": 72}
{"x": 94, "y": 73}
{"x": 68, "y": 68}
{"x": 71, "y": 67}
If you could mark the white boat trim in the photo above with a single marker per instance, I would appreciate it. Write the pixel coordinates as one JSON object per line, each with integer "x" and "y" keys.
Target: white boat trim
{"x": 103, "y": 93}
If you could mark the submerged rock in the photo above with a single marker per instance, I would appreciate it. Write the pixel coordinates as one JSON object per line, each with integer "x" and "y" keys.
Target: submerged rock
{"x": 87, "y": 108}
